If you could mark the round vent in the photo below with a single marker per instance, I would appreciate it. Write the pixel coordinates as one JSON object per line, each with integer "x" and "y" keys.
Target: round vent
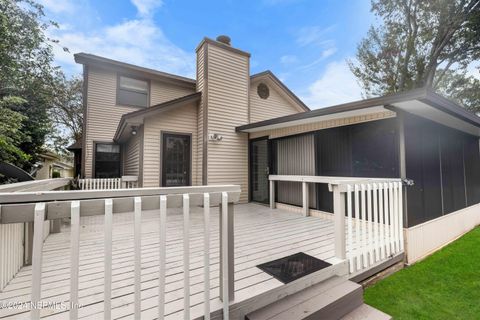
{"x": 263, "y": 91}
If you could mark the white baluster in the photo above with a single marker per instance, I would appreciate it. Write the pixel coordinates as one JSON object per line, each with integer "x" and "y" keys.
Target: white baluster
{"x": 74, "y": 257}
{"x": 138, "y": 255}
{"x": 351, "y": 250}
{"x": 39, "y": 219}
{"x": 206, "y": 256}
{"x": 108, "y": 259}
{"x": 186, "y": 256}
{"x": 162, "y": 257}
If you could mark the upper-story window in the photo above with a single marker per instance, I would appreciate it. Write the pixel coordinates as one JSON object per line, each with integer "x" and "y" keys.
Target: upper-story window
{"x": 132, "y": 92}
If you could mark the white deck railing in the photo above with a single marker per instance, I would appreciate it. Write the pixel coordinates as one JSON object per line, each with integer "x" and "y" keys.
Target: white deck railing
{"x": 15, "y": 238}
{"x": 38, "y": 207}
{"x": 125, "y": 182}
{"x": 368, "y": 216}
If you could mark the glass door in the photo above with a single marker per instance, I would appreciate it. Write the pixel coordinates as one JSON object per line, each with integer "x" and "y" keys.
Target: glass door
{"x": 259, "y": 170}
{"x": 176, "y": 160}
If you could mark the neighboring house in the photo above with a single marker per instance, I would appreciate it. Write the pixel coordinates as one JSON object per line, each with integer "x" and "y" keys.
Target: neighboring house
{"x": 52, "y": 166}
{"x": 230, "y": 127}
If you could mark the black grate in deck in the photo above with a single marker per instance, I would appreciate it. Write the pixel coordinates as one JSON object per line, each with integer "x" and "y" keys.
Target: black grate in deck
{"x": 293, "y": 267}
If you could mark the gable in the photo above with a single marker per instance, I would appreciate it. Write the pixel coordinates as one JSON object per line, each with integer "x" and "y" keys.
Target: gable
{"x": 277, "y": 104}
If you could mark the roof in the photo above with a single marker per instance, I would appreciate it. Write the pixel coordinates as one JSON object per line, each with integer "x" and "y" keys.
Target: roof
{"x": 77, "y": 145}
{"x": 423, "y": 102}
{"x": 90, "y": 59}
{"x": 137, "y": 117}
{"x": 281, "y": 85}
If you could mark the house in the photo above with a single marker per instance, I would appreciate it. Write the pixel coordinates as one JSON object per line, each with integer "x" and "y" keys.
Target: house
{"x": 52, "y": 166}
{"x": 230, "y": 127}
{"x": 249, "y": 206}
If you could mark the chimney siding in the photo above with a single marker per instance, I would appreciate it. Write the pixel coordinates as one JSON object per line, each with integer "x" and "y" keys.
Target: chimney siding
{"x": 223, "y": 77}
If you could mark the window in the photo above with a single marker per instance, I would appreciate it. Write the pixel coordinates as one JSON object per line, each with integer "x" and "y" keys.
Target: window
{"x": 107, "y": 160}
{"x": 132, "y": 92}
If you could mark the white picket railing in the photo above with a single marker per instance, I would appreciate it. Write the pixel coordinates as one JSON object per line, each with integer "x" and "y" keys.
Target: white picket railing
{"x": 367, "y": 212}
{"x": 374, "y": 222}
{"x": 125, "y": 182}
{"x": 38, "y": 207}
{"x": 11, "y": 251}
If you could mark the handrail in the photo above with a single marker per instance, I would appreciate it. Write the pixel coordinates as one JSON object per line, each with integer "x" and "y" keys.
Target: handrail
{"x": 368, "y": 215}
{"x": 23, "y": 197}
{"x": 36, "y": 185}
{"x": 50, "y": 205}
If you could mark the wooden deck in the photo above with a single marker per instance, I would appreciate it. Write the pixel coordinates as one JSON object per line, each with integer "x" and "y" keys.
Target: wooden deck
{"x": 261, "y": 235}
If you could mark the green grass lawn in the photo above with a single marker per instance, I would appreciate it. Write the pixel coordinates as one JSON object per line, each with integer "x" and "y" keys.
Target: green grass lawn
{"x": 446, "y": 285}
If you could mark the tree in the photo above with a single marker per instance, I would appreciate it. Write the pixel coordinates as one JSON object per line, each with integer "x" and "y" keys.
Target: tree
{"x": 10, "y": 132}
{"x": 27, "y": 72}
{"x": 421, "y": 44}
{"x": 66, "y": 115}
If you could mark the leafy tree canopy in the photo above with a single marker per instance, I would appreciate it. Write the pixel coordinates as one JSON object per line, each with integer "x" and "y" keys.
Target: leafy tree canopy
{"x": 422, "y": 43}
{"x": 29, "y": 80}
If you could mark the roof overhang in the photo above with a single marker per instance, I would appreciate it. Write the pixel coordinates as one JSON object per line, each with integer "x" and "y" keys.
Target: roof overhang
{"x": 118, "y": 66}
{"x": 421, "y": 102}
{"x": 137, "y": 118}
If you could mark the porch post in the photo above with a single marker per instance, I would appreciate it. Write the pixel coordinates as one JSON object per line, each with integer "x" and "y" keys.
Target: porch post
{"x": 231, "y": 256}
{"x": 272, "y": 194}
{"x": 339, "y": 221}
{"x": 305, "y": 199}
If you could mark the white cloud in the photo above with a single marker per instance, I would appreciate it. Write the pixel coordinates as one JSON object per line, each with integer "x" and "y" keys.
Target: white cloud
{"x": 314, "y": 35}
{"x": 336, "y": 85}
{"x": 139, "y": 42}
{"x": 147, "y": 7}
{"x": 55, "y": 6}
{"x": 323, "y": 55}
{"x": 288, "y": 59}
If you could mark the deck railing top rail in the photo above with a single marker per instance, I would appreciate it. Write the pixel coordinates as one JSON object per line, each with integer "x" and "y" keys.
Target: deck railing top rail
{"x": 19, "y": 207}
{"x": 331, "y": 180}
{"x": 36, "y": 185}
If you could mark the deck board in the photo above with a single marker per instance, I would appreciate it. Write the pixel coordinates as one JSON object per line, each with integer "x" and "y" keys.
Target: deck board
{"x": 261, "y": 235}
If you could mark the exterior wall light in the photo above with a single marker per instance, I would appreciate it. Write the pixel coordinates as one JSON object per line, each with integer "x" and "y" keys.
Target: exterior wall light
{"x": 215, "y": 137}
{"x": 134, "y": 130}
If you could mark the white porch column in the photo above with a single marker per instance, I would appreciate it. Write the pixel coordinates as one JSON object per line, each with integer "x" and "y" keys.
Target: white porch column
{"x": 305, "y": 199}
{"x": 339, "y": 221}
{"x": 272, "y": 194}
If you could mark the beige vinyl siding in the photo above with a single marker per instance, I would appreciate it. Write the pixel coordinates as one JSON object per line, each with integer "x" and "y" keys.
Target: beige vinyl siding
{"x": 162, "y": 92}
{"x": 296, "y": 156}
{"x": 103, "y": 114}
{"x": 314, "y": 126}
{"x": 200, "y": 119}
{"x": 131, "y": 164}
{"x": 178, "y": 120}
{"x": 276, "y": 105}
{"x": 228, "y": 82}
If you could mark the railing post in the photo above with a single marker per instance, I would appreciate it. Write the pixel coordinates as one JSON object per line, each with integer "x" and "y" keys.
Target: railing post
{"x": 228, "y": 243}
{"x": 339, "y": 221}
{"x": 272, "y": 194}
{"x": 305, "y": 199}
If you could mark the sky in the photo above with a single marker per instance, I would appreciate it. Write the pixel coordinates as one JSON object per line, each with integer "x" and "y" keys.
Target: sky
{"x": 305, "y": 43}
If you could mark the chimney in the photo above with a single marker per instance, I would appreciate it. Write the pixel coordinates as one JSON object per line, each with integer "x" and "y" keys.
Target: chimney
{"x": 224, "y": 39}
{"x": 223, "y": 77}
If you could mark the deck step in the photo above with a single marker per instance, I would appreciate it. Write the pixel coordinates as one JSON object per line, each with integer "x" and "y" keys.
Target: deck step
{"x": 314, "y": 303}
{"x": 366, "y": 312}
